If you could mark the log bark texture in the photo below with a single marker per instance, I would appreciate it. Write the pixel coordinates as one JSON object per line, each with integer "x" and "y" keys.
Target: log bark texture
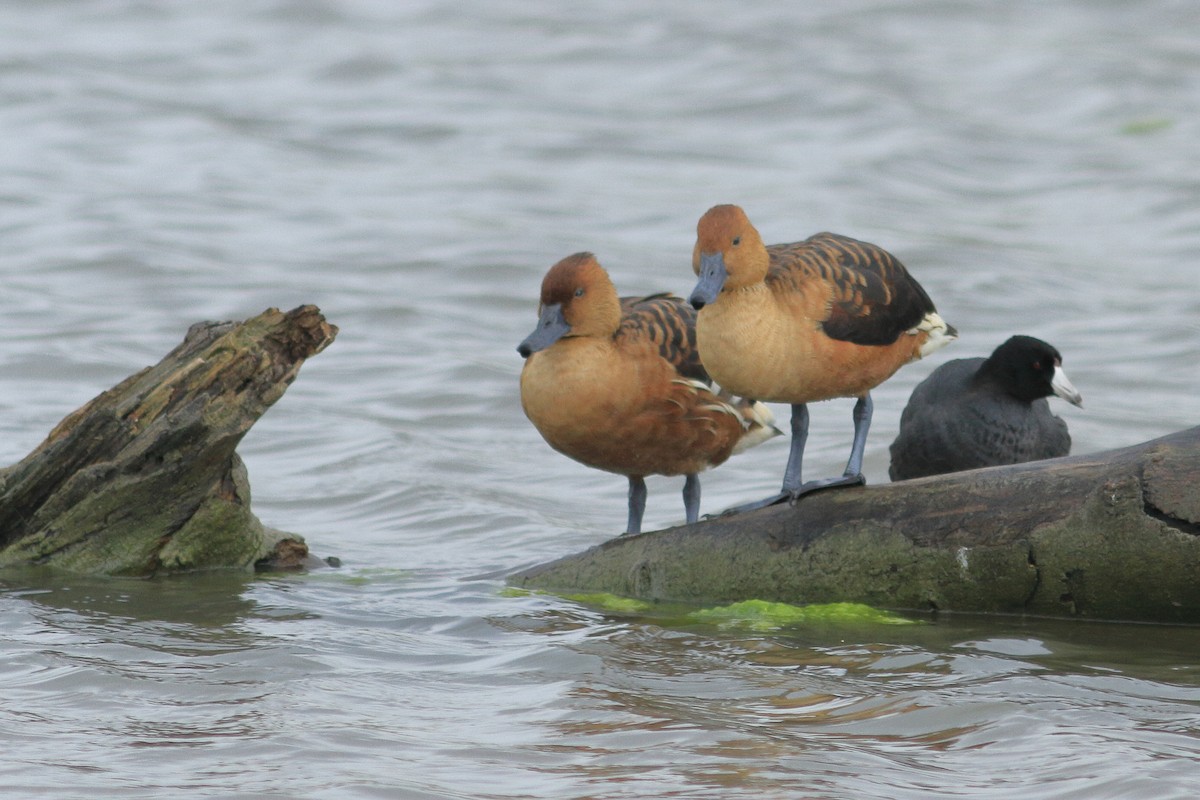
{"x": 1112, "y": 535}
{"x": 145, "y": 478}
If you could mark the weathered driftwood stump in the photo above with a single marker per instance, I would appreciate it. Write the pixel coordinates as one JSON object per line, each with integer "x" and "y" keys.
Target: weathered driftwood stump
{"x": 1113, "y": 535}
{"x": 144, "y": 478}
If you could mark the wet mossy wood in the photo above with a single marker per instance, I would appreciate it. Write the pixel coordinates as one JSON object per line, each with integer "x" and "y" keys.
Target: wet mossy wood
{"x": 1112, "y": 535}
{"x": 145, "y": 478}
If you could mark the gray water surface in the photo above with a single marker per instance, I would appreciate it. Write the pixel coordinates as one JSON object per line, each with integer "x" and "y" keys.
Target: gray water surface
{"x": 414, "y": 168}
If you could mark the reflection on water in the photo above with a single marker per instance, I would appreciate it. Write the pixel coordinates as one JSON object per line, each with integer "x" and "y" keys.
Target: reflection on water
{"x": 413, "y": 169}
{"x": 819, "y": 709}
{"x": 184, "y": 605}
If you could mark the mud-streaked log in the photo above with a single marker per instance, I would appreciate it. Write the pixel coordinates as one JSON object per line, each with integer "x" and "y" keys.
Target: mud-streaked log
{"x": 145, "y": 478}
{"x": 1112, "y": 535}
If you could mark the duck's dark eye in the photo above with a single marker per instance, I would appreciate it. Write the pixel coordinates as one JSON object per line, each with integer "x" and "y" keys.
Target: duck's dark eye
{"x": 737, "y": 240}
{"x": 579, "y": 292}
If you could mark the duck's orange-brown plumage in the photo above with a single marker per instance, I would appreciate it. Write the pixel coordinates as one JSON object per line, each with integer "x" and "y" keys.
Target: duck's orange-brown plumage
{"x": 623, "y": 389}
{"x": 795, "y": 323}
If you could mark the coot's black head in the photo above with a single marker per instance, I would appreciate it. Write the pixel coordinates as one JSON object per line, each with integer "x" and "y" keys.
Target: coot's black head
{"x": 1028, "y": 368}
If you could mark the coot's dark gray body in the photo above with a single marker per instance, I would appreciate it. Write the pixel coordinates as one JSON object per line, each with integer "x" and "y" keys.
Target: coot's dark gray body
{"x": 976, "y": 412}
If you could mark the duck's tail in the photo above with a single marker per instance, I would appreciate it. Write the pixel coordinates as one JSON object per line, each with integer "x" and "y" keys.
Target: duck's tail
{"x": 758, "y": 423}
{"x": 938, "y": 333}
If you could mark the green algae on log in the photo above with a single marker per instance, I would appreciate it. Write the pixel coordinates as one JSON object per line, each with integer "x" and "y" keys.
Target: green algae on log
{"x": 144, "y": 478}
{"x": 1112, "y": 535}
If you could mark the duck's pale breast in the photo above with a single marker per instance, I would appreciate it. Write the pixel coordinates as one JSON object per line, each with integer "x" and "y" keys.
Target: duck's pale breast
{"x": 769, "y": 345}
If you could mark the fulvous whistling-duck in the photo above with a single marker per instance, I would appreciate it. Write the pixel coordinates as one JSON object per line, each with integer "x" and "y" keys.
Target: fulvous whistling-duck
{"x": 976, "y": 412}
{"x": 616, "y": 384}
{"x": 794, "y": 323}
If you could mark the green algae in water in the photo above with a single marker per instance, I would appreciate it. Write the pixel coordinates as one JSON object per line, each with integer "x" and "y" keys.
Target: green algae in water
{"x": 759, "y": 615}
{"x": 601, "y": 600}
{"x": 1143, "y": 127}
{"x": 369, "y": 576}
{"x": 764, "y": 615}
{"x": 611, "y": 602}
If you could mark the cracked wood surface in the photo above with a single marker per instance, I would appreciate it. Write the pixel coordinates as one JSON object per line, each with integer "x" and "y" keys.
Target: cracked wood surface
{"x": 1112, "y": 535}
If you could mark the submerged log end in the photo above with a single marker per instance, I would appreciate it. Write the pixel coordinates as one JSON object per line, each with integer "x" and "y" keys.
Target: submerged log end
{"x": 288, "y": 553}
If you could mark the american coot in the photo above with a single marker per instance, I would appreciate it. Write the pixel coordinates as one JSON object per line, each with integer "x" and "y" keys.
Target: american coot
{"x": 616, "y": 384}
{"x": 793, "y": 323}
{"x": 975, "y": 412}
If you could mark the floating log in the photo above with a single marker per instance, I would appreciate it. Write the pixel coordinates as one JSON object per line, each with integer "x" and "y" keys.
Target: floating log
{"x": 144, "y": 478}
{"x": 1112, "y": 535}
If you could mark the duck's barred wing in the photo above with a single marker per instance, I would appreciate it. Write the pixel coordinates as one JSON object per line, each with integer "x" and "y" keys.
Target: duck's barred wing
{"x": 872, "y": 298}
{"x": 667, "y": 323}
